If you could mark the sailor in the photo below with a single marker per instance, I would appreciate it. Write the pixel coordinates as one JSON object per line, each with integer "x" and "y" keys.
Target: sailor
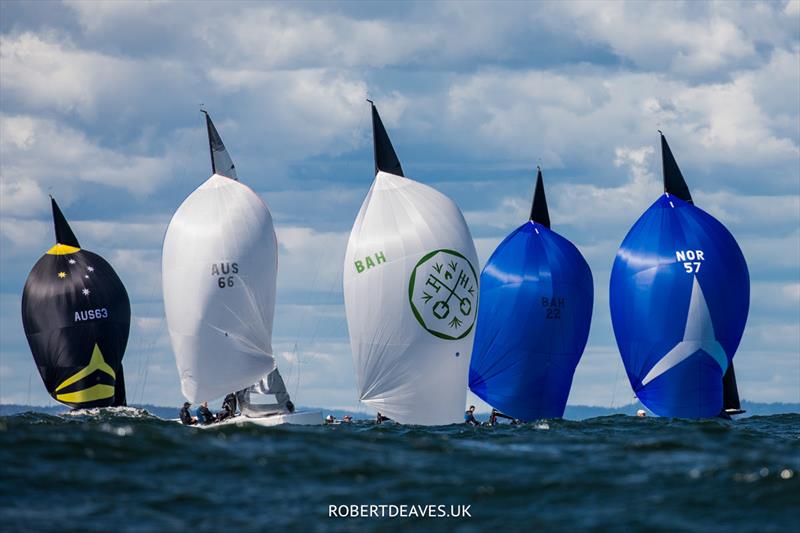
{"x": 347, "y": 419}
{"x": 228, "y": 407}
{"x": 289, "y": 406}
{"x": 204, "y": 414}
{"x": 641, "y": 413}
{"x": 497, "y": 414}
{"x": 469, "y": 417}
{"x": 330, "y": 419}
{"x": 381, "y": 419}
{"x": 186, "y": 416}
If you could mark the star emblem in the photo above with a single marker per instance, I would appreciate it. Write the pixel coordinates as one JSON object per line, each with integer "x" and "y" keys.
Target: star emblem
{"x": 86, "y": 292}
{"x": 62, "y": 275}
{"x": 90, "y": 269}
{"x": 86, "y": 276}
{"x": 698, "y": 335}
{"x": 72, "y": 261}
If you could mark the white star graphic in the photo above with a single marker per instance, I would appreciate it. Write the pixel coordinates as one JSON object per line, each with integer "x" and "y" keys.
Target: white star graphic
{"x": 86, "y": 292}
{"x": 72, "y": 261}
{"x": 86, "y": 276}
{"x": 90, "y": 269}
{"x": 698, "y": 335}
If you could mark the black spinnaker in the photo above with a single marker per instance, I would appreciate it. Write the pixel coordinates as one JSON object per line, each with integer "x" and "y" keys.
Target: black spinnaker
{"x": 76, "y": 315}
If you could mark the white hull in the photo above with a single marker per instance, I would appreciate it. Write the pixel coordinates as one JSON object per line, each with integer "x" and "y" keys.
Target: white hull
{"x": 299, "y": 418}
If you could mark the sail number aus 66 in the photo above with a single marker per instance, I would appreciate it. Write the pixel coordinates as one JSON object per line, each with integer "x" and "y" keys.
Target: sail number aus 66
{"x": 223, "y": 271}
{"x": 691, "y": 259}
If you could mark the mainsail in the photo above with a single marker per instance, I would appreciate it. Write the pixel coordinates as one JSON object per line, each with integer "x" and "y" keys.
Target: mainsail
{"x": 76, "y": 315}
{"x": 679, "y": 296}
{"x": 219, "y": 268}
{"x": 535, "y": 313}
{"x": 411, "y": 296}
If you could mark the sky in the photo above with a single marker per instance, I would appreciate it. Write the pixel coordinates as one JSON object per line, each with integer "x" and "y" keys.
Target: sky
{"x": 99, "y": 106}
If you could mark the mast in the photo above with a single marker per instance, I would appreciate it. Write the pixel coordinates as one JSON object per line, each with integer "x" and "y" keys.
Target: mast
{"x": 64, "y": 233}
{"x": 385, "y": 157}
{"x": 674, "y": 184}
{"x": 539, "y": 212}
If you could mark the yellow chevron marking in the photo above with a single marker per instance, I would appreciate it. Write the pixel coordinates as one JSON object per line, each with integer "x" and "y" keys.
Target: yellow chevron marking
{"x": 62, "y": 249}
{"x": 95, "y": 392}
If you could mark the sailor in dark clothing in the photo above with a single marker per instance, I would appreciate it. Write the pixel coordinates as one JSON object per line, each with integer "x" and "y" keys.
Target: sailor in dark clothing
{"x": 497, "y": 414}
{"x": 289, "y": 406}
{"x": 228, "y": 407}
{"x": 186, "y": 416}
{"x": 381, "y": 419}
{"x": 204, "y": 414}
{"x": 469, "y": 417}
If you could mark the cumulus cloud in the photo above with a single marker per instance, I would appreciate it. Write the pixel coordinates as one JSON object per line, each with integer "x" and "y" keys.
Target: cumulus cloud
{"x": 38, "y": 152}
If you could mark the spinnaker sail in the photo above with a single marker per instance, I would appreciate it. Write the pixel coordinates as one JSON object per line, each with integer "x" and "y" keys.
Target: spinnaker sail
{"x": 535, "y": 313}
{"x": 219, "y": 269}
{"x": 411, "y": 296}
{"x": 77, "y": 316}
{"x": 679, "y": 296}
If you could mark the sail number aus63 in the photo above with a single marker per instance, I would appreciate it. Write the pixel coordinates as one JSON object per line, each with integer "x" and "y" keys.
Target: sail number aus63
{"x": 691, "y": 259}
{"x": 222, "y": 272}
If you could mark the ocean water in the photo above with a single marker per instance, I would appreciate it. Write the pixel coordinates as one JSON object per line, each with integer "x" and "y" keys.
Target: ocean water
{"x": 127, "y": 470}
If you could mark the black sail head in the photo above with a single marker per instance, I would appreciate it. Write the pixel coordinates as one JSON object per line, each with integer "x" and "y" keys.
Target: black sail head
{"x": 539, "y": 212}
{"x": 674, "y": 184}
{"x": 221, "y": 162}
{"x": 385, "y": 157}
{"x": 64, "y": 233}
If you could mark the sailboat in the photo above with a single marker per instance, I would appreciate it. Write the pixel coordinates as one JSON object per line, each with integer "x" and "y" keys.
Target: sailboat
{"x": 534, "y": 318}
{"x": 77, "y": 316}
{"x": 679, "y": 296}
{"x": 411, "y": 295}
{"x": 219, "y": 270}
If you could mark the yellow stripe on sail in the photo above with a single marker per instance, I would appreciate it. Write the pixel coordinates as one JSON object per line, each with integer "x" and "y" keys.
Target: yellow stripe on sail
{"x": 63, "y": 249}
{"x": 96, "y": 363}
{"x": 95, "y": 392}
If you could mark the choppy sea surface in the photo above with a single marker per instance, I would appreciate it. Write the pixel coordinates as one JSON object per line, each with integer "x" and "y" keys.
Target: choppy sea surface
{"x": 126, "y": 470}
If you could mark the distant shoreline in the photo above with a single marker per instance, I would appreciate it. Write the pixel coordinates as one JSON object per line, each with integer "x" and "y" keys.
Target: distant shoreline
{"x": 573, "y": 412}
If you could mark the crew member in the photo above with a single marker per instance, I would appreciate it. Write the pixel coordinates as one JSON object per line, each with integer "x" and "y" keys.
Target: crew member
{"x": 186, "y": 416}
{"x": 381, "y": 419}
{"x": 497, "y": 414}
{"x": 641, "y": 413}
{"x": 204, "y": 414}
{"x": 228, "y": 407}
{"x": 469, "y": 417}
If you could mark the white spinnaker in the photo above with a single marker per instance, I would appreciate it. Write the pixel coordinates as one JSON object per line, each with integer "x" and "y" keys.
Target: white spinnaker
{"x": 219, "y": 266}
{"x": 411, "y": 365}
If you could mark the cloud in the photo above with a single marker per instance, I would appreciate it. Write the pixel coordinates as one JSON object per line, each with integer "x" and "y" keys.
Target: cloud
{"x": 49, "y": 153}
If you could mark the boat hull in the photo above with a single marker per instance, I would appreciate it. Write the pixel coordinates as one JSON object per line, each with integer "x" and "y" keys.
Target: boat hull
{"x": 299, "y": 418}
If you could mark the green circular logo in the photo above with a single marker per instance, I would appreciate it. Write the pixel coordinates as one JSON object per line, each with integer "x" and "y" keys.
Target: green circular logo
{"x": 443, "y": 292}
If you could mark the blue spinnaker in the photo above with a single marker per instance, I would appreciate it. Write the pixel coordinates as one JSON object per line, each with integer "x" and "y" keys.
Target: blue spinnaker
{"x": 679, "y": 296}
{"x": 534, "y": 317}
